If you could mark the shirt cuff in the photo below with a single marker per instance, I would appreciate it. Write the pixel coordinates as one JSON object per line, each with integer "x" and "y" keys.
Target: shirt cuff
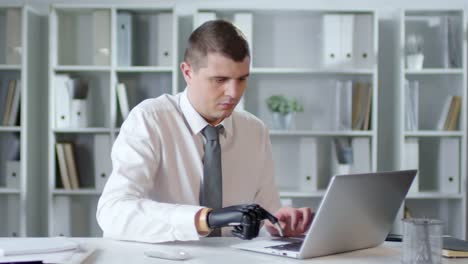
{"x": 183, "y": 220}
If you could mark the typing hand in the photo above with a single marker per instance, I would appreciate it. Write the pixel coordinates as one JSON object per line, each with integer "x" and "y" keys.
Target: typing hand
{"x": 294, "y": 222}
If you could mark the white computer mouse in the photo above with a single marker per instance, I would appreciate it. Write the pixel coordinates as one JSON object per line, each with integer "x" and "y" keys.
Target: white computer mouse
{"x": 168, "y": 253}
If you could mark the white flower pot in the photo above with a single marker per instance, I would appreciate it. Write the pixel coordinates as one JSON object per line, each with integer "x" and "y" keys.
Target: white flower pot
{"x": 415, "y": 61}
{"x": 283, "y": 122}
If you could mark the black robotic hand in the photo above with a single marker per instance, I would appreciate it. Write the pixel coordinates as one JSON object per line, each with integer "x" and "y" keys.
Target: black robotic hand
{"x": 246, "y": 219}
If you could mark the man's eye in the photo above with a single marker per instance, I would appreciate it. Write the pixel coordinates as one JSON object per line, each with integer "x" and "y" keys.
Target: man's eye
{"x": 220, "y": 80}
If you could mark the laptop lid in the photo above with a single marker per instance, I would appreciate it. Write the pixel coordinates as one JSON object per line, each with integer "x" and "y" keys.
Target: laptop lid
{"x": 356, "y": 212}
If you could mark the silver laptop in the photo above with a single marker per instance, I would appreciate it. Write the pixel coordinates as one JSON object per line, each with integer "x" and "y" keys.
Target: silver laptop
{"x": 356, "y": 212}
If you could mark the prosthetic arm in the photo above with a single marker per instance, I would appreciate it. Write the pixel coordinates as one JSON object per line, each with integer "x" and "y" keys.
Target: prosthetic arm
{"x": 245, "y": 218}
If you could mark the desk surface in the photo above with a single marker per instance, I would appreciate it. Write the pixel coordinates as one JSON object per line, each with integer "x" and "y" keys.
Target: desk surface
{"x": 217, "y": 250}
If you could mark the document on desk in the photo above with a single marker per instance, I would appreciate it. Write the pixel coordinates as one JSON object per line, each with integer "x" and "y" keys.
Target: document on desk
{"x": 47, "y": 250}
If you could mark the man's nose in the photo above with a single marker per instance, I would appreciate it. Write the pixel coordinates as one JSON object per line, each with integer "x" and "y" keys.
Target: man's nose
{"x": 234, "y": 89}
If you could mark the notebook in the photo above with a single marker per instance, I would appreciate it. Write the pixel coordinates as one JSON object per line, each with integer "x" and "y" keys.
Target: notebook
{"x": 36, "y": 245}
{"x": 454, "y": 248}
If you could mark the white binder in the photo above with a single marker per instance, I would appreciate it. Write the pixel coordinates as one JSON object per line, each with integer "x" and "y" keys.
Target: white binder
{"x": 62, "y": 216}
{"x": 449, "y": 165}
{"x": 410, "y": 159}
{"x": 13, "y": 211}
{"x": 102, "y": 160}
{"x": 364, "y": 56}
{"x": 202, "y": 17}
{"x": 79, "y": 113}
{"x": 124, "y": 39}
{"x": 347, "y": 41}
{"x": 331, "y": 41}
{"x": 13, "y": 173}
{"x": 160, "y": 36}
{"x": 361, "y": 155}
{"x": 101, "y": 37}
{"x": 13, "y": 36}
{"x": 244, "y": 21}
{"x": 308, "y": 165}
{"x": 62, "y": 101}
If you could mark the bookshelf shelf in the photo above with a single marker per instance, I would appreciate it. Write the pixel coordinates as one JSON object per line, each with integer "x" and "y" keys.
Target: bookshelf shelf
{"x": 92, "y": 192}
{"x": 80, "y": 68}
{"x": 434, "y": 195}
{"x": 432, "y": 94}
{"x": 302, "y": 133}
{"x": 434, "y": 71}
{"x": 429, "y": 133}
{"x": 89, "y": 130}
{"x": 9, "y": 191}
{"x": 10, "y": 129}
{"x": 311, "y": 71}
{"x": 138, "y": 69}
{"x": 9, "y": 67}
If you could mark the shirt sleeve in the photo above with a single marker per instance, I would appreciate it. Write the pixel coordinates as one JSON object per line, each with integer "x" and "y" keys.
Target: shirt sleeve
{"x": 267, "y": 194}
{"x": 125, "y": 209}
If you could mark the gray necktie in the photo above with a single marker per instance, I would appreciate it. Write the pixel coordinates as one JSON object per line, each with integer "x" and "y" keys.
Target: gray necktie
{"x": 211, "y": 193}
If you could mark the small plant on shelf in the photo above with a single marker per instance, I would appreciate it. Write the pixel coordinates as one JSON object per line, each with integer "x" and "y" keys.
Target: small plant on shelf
{"x": 283, "y": 110}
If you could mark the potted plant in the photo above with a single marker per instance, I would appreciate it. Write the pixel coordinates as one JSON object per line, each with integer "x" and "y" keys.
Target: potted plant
{"x": 283, "y": 111}
{"x": 414, "y": 52}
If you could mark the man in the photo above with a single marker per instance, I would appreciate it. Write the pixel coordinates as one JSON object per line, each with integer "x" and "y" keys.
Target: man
{"x": 162, "y": 158}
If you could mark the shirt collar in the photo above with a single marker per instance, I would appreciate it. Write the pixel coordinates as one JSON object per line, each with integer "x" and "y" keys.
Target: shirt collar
{"x": 196, "y": 121}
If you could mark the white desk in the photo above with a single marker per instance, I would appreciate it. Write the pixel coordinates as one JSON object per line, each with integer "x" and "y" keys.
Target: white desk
{"x": 217, "y": 250}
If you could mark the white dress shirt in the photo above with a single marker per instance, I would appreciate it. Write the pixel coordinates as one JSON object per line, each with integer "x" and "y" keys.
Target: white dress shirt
{"x": 152, "y": 194}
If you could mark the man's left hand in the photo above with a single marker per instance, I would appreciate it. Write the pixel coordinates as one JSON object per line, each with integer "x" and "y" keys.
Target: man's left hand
{"x": 293, "y": 221}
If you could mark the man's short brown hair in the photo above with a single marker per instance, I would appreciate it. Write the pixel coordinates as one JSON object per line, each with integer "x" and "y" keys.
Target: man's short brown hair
{"x": 216, "y": 36}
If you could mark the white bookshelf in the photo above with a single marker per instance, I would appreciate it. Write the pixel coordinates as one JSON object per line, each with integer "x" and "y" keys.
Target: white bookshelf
{"x": 440, "y": 155}
{"x": 148, "y": 70}
{"x": 20, "y": 35}
{"x": 287, "y": 47}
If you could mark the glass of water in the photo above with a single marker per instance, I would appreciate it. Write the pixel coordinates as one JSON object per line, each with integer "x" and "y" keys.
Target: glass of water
{"x": 422, "y": 241}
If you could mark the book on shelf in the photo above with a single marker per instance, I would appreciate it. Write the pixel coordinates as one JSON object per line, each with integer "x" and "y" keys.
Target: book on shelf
{"x": 12, "y": 216}
{"x": 411, "y": 105}
{"x": 450, "y": 37}
{"x": 124, "y": 38}
{"x": 450, "y": 113}
{"x": 338, "y": 40}
{"x": 454, "y": 248}
{"x": 361, "y": 106}
{"x": 62, "y": 165}
{"x": 71, "y": 165}
{"x": 122, "y": 98}
{"x": 11, "y": 99}
{"x": 15, "y": 105}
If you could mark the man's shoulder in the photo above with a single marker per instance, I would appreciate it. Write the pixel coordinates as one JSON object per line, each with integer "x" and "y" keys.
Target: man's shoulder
{"x": 247, "y": 119}
{"x": 159, "y": 105}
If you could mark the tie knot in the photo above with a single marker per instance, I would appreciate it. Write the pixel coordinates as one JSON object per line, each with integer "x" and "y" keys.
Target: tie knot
{"x": 211, "y": 132}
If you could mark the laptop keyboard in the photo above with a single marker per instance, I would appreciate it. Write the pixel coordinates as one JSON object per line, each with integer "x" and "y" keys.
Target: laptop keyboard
{"x": 294, "y": 246}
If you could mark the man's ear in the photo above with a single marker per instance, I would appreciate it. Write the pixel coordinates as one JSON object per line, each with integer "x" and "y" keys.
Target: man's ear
{"x": 187, "y": 72}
